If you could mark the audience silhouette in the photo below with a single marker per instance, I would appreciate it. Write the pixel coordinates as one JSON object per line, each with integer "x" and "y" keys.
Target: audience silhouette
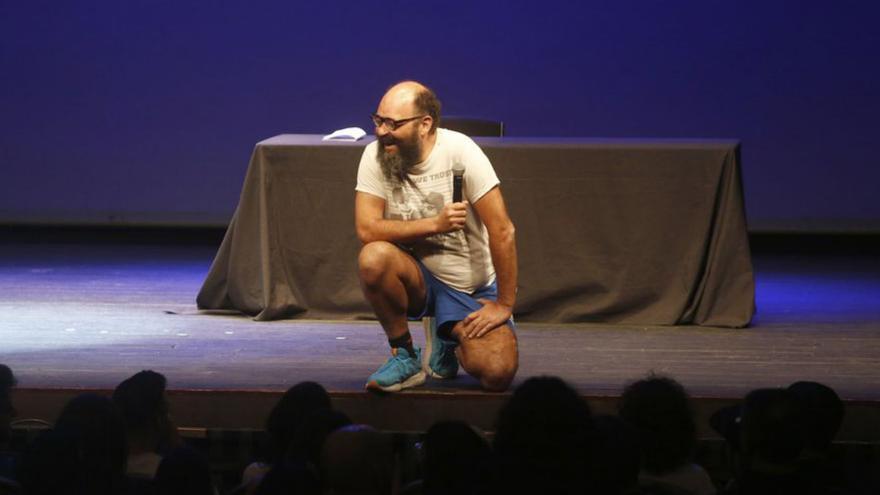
{"x": 659, "y": 409}
{"x": 285, "y": 460}
{"x": 84, "y": 453}
{"x": 543, "y": 440}
{"x": 546, "y": 441}
{"x": 298, "y": 472}
{"x": 455, "y": 456}
{"x": 618, "y": 461}
{"x": 151, "y": 432}
{"x": 8, "y": 458}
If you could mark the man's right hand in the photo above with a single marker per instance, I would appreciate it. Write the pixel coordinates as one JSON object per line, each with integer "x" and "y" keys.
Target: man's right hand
{"x": 452, "y": 217}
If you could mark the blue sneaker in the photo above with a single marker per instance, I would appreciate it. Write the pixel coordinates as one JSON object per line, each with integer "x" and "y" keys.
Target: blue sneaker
{"x": 439, "y": 356}
{"x": 400, "y": 371}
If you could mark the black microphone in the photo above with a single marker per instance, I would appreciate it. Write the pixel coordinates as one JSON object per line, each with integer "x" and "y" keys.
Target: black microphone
{"x": 457, "y": 178}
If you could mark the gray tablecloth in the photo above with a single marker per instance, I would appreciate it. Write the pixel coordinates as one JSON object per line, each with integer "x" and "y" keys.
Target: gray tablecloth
{"x": 608, "y": 230}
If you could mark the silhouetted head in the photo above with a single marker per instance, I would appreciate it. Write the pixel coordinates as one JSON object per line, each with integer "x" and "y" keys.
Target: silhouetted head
{"x": 771, "y": 427}
{"x": 300, "y": 401}
{"x": 85, "y": 452}
{"x": 543, "y": 438}
{"x": 823, "y": 413}
{"x": 7, "y": 411}
{"x": 96, "y": 424}
{"x": 659, "y": 409}
{"x": 7, "y": 379}
{"x": 309, "y": 438}
{"x": 141, "y": 400}
{"x": 542, "y": 415}
{"x": 455, "y": 455}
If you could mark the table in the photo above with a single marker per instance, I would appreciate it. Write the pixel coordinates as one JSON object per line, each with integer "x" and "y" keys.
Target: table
{"x": 631, "y": 231}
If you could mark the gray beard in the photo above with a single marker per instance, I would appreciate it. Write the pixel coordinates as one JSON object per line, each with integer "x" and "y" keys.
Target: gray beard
{"x": 396, "y": 165}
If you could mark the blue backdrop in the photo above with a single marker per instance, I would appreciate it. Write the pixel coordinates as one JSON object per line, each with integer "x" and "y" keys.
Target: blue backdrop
{"x": 147, "y": 111}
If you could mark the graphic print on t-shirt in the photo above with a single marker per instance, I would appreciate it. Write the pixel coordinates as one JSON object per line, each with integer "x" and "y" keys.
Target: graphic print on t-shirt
{"x": 422, "y": 196}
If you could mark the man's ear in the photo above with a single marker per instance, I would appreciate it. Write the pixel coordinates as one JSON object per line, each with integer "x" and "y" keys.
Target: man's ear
{"x": 426, "y": 123}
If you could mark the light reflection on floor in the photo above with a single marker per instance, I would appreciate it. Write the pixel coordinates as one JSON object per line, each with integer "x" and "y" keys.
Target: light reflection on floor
{"x": 124, "y": 308}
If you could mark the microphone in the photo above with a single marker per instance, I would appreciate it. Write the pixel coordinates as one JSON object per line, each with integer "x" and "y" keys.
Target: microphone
{"x": 457, "y": 178}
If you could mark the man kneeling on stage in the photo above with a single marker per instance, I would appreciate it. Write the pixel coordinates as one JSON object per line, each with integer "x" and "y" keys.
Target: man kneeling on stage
{"x": 425, "y": 255}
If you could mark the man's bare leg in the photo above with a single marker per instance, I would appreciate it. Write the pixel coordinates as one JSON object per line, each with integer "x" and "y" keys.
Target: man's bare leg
{"x": 392, "y": 282}
{"x": 493, "y": 358}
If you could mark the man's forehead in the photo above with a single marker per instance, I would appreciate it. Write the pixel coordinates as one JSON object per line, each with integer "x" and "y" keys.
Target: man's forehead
{"x": 397, "y": 103}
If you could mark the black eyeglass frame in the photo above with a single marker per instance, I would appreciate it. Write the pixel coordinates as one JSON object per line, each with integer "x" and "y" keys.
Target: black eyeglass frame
{"x": 392, "y": 124}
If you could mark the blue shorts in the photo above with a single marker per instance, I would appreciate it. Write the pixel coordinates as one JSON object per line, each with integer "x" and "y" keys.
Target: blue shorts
{"x": 448, "y": 306}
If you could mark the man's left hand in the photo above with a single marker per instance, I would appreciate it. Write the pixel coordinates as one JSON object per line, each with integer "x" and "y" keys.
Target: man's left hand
{"x": 482, "y": 321}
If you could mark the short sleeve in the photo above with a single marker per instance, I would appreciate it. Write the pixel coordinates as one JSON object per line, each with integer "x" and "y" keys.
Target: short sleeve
{"x": 479, "y": 176}
{"x": 369, "y": 176}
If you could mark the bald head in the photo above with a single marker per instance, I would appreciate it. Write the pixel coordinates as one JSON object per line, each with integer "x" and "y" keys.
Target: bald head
{"x": 403, "y": 93}
{"x": 408, "y": 99}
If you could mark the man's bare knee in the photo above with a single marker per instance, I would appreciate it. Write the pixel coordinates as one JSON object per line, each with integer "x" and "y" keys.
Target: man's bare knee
{"x": 374, "y": 261}
{"x": 499, "y": 371}
{"x": 497, "y": 378}
{"x": 493, "y": 359}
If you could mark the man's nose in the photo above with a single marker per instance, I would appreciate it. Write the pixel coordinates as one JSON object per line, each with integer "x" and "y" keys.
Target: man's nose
{"x": 382, "y": 130}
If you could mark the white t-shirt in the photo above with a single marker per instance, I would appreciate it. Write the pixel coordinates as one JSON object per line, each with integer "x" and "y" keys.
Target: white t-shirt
{"x": 460, "y": 259}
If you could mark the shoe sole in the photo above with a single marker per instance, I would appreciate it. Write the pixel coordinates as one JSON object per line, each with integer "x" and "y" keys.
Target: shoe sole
{"x": 413, "y": 381}
{"x": 426, "y": 353}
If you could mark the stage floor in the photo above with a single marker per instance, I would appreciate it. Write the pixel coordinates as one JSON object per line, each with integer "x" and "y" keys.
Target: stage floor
{"x": 85, "y": 315}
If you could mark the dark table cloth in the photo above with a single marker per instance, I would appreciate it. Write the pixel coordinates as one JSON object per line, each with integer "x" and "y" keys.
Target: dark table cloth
{"x": 630, "y": 231}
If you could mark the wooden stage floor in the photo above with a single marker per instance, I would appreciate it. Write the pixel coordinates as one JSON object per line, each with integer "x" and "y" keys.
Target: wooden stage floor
{"x": 78, "y": 315}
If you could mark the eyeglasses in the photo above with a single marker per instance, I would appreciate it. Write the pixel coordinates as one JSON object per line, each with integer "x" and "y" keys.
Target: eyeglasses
{"x": 391, "y": 124}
